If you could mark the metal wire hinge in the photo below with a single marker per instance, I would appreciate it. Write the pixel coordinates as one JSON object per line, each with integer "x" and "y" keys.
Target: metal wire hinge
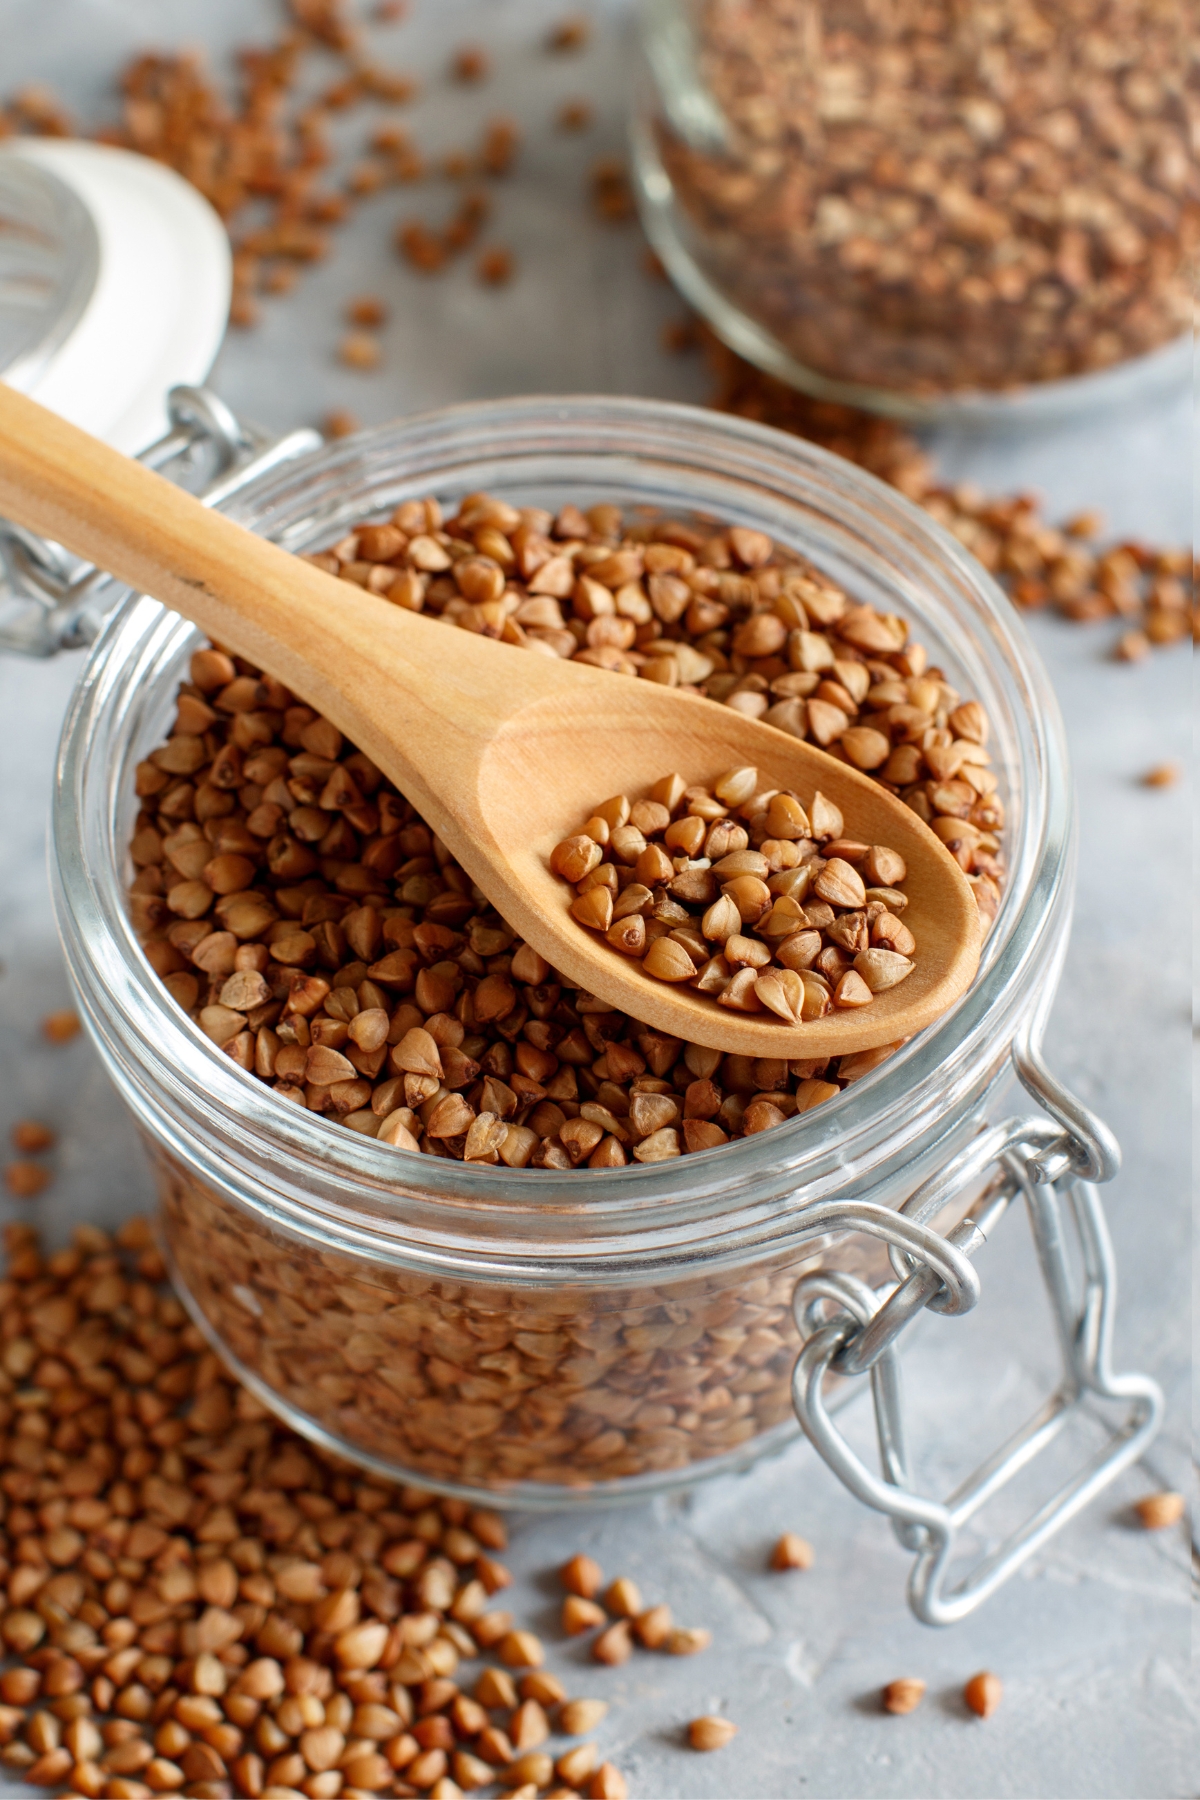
{"x": 853, "y": 1329}
{"x": 51, "y": 601}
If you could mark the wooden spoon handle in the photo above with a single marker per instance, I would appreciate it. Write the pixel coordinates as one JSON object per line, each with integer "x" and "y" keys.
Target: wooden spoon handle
{"x": 352, "y": 655}
{"x": 57, "y": 480}
{"x": 494, "y": 746}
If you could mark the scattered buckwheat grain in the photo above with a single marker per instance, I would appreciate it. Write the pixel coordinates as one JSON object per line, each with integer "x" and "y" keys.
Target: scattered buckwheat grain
{"x": 1158, "y": 1510}
{"x": 575, "y": 1717}
{"x": 359, "y": 350}
{"x": 654, "y": 1626}
{"x": 29, "y": 1136}
{"x": 623, "y": 1598}
{"x": 61, "y": 1027}
{"x": 579, "y": 1615}
{"x": 608, "y": 1783}
{"x": 615, "y": 1645}
{"x": 611, "y": 190}
{"x": 904, "y": 1695}
{"x": 582, "y": 1575}
{"x": 25, "y": 1180}
{"x": 471, "y": 63}
{"x": 495, "y": 266}
{"x": 339, "y": 424}
{"x": 711, "y": 1732}
{"x": 792, "y": 1552}
{"x": 571, "y": 33}
{"x": 983, "y": 1694}
{"x": 367, "y": 310}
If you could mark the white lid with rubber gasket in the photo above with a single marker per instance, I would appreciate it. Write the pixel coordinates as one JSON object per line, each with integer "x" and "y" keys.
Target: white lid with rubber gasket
{"x": 114, "y": 284}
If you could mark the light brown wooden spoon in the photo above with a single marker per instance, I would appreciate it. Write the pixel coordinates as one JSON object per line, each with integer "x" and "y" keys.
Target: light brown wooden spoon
{"x": 502, "y": 751}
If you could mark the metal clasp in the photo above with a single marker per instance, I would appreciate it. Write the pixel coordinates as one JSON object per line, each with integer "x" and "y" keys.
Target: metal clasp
{"x": 1045, "y": 1164}
{"x": 51, "y": 601}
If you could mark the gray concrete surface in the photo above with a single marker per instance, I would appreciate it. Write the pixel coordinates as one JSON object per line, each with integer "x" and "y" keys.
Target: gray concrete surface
{"x": 1093, "y": 1640}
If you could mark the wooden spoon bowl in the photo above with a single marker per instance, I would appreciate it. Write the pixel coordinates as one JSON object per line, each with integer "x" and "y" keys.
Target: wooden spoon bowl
{"x": 503, "y": 752}
{"x": 623, "y": 742}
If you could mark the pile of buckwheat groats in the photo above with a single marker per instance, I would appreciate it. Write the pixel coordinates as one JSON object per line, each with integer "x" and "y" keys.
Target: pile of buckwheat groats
{"x": 196, "y": 1601}
{"x": 745, "y": 895}
{"x": 304, "y": 915}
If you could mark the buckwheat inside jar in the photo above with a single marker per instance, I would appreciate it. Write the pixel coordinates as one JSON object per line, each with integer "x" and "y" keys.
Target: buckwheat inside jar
{"x": 539, "y": 1378}
{"x": 303, "y": 914}
{"x": 481, "y": 1385}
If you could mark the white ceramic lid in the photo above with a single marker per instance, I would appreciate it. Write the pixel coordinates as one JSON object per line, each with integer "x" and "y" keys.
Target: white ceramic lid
{"x": 114, "y": 284}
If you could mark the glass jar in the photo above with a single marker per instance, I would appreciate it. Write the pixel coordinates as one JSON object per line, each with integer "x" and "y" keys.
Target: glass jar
{"x": 536, "y": 1336}
{"x": 928, "y": 207}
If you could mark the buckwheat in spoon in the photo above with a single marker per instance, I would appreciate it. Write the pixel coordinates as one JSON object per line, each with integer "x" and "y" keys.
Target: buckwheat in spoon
{"x": 603, "y": 818}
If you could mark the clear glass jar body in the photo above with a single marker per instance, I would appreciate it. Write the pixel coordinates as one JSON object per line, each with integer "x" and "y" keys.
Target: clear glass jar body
{"x": 926, "y": 209}
{"x": 530, "y": 1335}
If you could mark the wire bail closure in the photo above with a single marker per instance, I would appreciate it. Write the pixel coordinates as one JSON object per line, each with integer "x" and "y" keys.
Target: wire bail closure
{"x": 853, "y": 1329}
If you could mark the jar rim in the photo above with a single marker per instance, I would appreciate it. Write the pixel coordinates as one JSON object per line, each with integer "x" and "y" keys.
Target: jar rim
{"x": 338, "y": 1188}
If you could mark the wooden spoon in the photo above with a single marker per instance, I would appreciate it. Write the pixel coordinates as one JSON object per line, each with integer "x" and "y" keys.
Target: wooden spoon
{"x": 502, "y": 751}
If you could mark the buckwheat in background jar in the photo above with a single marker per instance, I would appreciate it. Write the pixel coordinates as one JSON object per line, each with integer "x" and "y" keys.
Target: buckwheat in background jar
{"x": 910, "y": 203}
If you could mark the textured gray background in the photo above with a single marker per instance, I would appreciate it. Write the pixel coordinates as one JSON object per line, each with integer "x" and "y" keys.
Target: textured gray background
{"x": 1092, "y": 1640}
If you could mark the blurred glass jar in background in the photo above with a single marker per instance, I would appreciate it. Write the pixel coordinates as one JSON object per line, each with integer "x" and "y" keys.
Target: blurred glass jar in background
{"x": 909, "y": 200}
